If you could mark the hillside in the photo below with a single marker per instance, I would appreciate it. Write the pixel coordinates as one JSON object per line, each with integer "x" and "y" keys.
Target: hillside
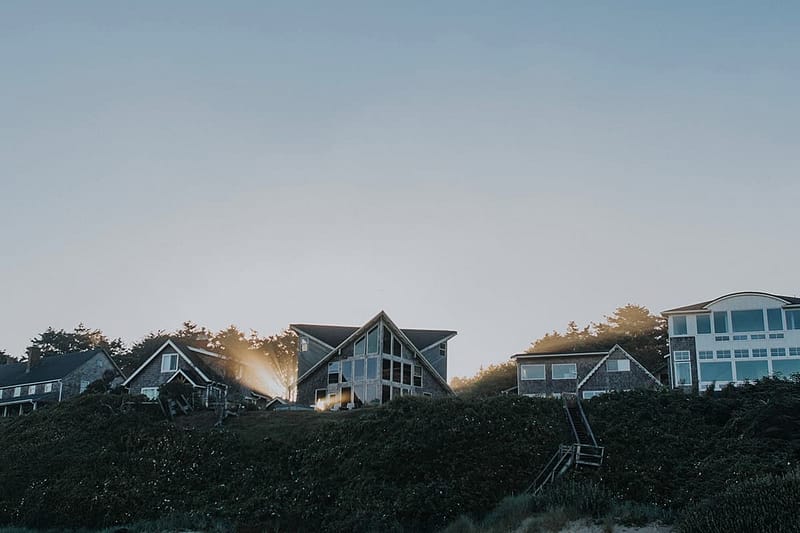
{"x": 413, "y": 465}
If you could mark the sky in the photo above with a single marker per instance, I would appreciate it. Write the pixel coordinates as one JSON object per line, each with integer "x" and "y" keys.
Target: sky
{"x": 495, "y": 168}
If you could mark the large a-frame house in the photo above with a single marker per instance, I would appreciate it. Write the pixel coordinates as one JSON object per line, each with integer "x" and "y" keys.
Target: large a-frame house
{"x": 349, "y": 366}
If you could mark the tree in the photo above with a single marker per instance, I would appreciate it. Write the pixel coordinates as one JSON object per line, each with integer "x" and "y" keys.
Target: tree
{"x": 489, "y": 381}
{"x": 6, "y": 358}
{"x": 55, "y": 342}
{"x": 633, "y": 327}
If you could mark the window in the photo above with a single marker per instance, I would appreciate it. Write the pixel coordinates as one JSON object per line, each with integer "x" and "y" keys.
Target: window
{"x": 32, "y": 389}
{"x": 346, "y": 396}
{"x": 386, "y": 394}
{"x": 564, "y": 371}
{"x": 319, "y": 398}
{"x": 360, "y": 346}
{"x": 406, "y": 374}
{"x": 303, "y": 344}
{"x": 589, "y": 394}
{"x": 417, "y": 376}
{"x": 786, "y": 368}
{"x": 169, "y": 362}
{"x": 333, "y": 372}
{"x": 778, "y": 352}
{"x": 716, "y": 372}
{"x": 749, "y": 320}
{"x": 720, "y": 322}
{"x": 679, "y": 325}
{"x": 347, "y": 371}
{"x": 358, "y": 372}
{"x": 681, "y": 355}
{"x": 427, "y": 395}
{"x": 618, "y": 365}
{"x": 741, "y": 354}
{"x": 759, "y": 352}
{"x": 795, "y": 351}
{"x": 397, "y": 369}
{"x": 372, "y": 340}
{"x": 723, "y": 354}
{"x": 758, "y": 337}
{"x": 387, "y": 341}
{"x": 740, "y": 337}
{"x": 387, "y": 369}
{"x": 372, "y": 368}
{"x": 17, "y": 391}
{"x": 776, "y": 335}
{"x": 529, "y": 372}
{"x": 1, "y": 393}
{"x": 703, "y": 324}
{"x": 751, "y": 370}
{"x": 150, "y": 392}
{"x": 722, "y": 338}
{"x": 793, "y": 319}
{"x": 683, "y": 371}
{"x": 705, "y": 354}
{"x": 84, "y": 385}
{"x": 775, "y": 319}
{"x": 443, "y": 349}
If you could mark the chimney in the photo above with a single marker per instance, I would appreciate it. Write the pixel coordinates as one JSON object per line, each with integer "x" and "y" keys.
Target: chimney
{"x": 34, "y": 356}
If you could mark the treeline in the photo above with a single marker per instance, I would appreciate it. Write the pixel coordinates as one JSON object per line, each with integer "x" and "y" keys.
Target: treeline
{"x": 633, "y": 327}
{"x": 279, "y": 351}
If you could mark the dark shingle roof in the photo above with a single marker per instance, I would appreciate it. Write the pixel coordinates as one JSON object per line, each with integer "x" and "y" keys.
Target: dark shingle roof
{"x": 335, "y": 335}
{"x": 200, "y": 362}
{"x": 561, "y": 353}
{"x": 48, "y": 368}
{"x": 702, "y": 305}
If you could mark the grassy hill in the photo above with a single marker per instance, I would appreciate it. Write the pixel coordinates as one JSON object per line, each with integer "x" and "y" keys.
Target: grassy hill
{"x": 413, "y": 465}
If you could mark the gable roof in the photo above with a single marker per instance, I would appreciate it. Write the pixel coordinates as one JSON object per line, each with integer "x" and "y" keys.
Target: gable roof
{"x": 616, "y": 347}
{"x": 200, "y": 371}
{"x": 48, "y": 368}
{"x": 333, "y": 336}
{"x": 703, "y": 306}
{"x": 421, "y": 335}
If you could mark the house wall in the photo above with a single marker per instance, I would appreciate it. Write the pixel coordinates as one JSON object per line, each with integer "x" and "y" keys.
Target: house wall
{"x": 436, "y": 360}
{"x": 684, "y": 344}
{"x": 549, "y": 386}
{"x": 151, "y": 375}
{"x": 635, "y": 378}
{"x": 306, "y": 360}
{"x": 92, "y": 370}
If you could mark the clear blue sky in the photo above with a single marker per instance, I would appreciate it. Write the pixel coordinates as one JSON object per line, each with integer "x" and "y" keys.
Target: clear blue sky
{"x": 498, "y": 168}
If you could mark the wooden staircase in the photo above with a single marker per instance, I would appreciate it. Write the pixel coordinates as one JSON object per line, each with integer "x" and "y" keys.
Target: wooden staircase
{"x": 584, "y": 451}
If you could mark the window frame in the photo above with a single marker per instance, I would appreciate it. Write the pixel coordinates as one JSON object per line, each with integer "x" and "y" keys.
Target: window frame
{"x": 164, "y": 368}
{"x": 522, "y": 371}
{"x": 151, "y": 397}
{"x": 706, "y": 320}
{"x": 618, "y": 361}
{"x": 684, "y": 326}
{"x": 573, "y": 375}
{"x": 17, "y": 392}
{"x": 31, "y": 389}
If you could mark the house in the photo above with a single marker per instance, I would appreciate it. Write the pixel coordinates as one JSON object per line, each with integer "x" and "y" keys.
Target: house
{"x": 735, "y": 338}
{"x": 350, "y": 366}
{"x": 42, "y": 380}
{"x": 213, "y": 377}
{"x": 587, "y": 374}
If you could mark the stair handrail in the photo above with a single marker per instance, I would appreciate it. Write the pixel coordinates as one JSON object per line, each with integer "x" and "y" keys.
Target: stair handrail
{"x": 551, "y": 466}
{"x": 586, "y": 422}
{"x": 565, "y": 403}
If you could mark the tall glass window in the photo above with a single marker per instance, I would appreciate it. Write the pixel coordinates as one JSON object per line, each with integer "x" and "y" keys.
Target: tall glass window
{"x": 683, "y": 373}
{"x": 703, "y": 324}
{"x": 716, "y": 372}
{"x": 679, "y": 325}
{"x": 775, "y": 319}
{"x": 749, "y": 320}
{"x": 372, "y": 367}
{"x": 751, "y": 370}
{"x": 372, "y": 340}
{"x": 720, "y": 322}
{"x": 387, "y": 369}
{"x": 358, "y": 369}
{"x": 360, "y": 347}
{"x": 347, "y": 371}
{"x": 793, "y": 319}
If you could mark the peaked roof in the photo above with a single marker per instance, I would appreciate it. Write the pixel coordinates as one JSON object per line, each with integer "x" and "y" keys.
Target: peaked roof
{"x": 422, "y": 336}
{"x": 201, "y": 371}
{"x": 333, "y": 336}
{"x": 702, "y": 306}
{"x": 47, "y": 369}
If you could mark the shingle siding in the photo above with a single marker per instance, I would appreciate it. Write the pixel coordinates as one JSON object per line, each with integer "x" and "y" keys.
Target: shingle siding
{"x": 681, "y": 344}
{"x": 92, "y": 370}
{"x": 583, "y": 364}
{"x": 635, "y": 378}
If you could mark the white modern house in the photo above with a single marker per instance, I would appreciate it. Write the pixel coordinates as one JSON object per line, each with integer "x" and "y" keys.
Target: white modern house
{"x": 735, "y": 338}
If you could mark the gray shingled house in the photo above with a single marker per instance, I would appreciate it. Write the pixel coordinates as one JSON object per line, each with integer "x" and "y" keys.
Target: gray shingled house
{"x": 587, "y": 374}
{"x": 212, "y": 376}
{"x": 351, "y": 366}
{"x": 43, "y": 380}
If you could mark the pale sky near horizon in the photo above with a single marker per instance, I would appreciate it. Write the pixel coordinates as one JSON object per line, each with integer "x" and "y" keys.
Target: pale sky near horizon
{"x": 494, "y": 168}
